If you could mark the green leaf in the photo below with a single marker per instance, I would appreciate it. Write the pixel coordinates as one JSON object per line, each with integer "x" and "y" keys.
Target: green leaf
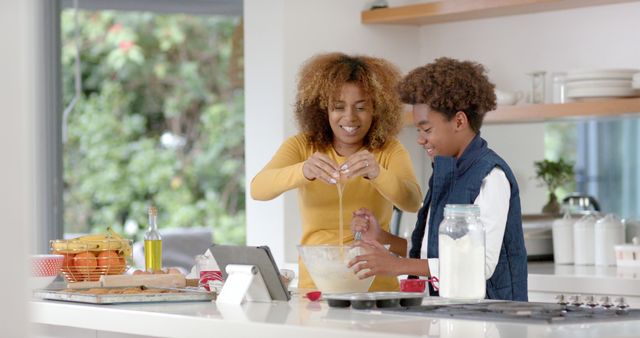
{"x": 145, "y": 75}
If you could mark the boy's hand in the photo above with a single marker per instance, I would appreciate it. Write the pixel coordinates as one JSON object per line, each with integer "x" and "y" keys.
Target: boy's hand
{"x": 364, "y": 221}
{"x": 362, "y": 163}
{"x": 377, "y": 259}
{"x": 321, "y": 166}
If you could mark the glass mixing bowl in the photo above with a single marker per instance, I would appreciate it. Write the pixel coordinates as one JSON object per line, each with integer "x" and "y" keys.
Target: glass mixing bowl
{"x": 327, "y": 265}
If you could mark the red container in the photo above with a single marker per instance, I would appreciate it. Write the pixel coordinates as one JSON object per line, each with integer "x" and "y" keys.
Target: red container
{"x": 412, "y": 285}
{"x": 46, "y": 265}
{"x": 206, "y": 276}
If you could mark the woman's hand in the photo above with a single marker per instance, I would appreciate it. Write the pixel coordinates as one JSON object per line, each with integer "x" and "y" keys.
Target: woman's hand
{"x": 377, "y": 259}
{"x": 362, "y": 163}
{"x": 366, "y": 223}
{"x": 321, "y": 166}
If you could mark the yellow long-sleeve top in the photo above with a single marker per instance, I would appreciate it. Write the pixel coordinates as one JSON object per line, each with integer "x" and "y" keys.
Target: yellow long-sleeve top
{"x": 319, "y": 203}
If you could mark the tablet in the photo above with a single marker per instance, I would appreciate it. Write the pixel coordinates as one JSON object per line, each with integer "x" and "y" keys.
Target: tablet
{"x": 261, "y": 257}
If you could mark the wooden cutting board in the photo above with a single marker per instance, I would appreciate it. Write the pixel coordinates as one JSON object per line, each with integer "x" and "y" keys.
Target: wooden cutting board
{"x": 165, "y": 281}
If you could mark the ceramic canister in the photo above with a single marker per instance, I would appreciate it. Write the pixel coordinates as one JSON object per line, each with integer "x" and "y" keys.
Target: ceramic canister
{"x": 584, "y": 240}
{"x": 562, "y": 232}
{"x": 609, "y": 232}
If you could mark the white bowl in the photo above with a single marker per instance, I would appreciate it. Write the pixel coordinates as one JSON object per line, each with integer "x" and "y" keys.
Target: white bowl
{"x": 327, "y": 265}
{"x": 46, "y": 265}
{"x": 635, "y": 83}
{"x": 40, "y": 282}
{"x": 504, "y": 97}
{"x": 44, "y": 269}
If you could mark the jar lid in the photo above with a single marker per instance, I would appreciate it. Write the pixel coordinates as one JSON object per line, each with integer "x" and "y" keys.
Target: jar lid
{"x": 461, "y": 210}
{"x": 562, "y": 223}
{"x": 587, "y": 221}
{"x": 609, "y": 221}
{"x": 565, "y": 221}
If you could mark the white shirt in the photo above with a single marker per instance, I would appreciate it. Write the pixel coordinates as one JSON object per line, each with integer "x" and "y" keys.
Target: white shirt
{"x": 493, "y": 200}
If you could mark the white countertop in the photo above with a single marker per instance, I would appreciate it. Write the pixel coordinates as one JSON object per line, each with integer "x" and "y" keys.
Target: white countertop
{"x": 297, "y": 318}
{"x": 300, "y": 317}
{"x": 585, "y": 279}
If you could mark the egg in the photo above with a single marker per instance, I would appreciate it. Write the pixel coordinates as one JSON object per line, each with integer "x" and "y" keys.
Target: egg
{"x": 68, "y": 259}
{"x": 67, "y": 267}
{"x": 85, "y": 263}
{"x": 174, "y": 271}
{"x": 110, "y": 262}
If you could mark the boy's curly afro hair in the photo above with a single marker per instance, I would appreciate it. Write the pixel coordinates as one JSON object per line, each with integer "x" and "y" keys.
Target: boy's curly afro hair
{"x": 320, "y": 81}
{"x": 449, "y": 86}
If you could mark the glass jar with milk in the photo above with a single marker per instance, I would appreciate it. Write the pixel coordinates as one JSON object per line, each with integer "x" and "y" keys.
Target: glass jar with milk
{"x": 461, "y": 250}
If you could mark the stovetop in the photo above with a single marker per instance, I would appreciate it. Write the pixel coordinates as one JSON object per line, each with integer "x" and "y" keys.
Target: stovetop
{"x": 523, "y": 312}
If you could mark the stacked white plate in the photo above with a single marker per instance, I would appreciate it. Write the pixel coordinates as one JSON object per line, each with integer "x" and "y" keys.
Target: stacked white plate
{"x": 635, "y": 83}
{"x": 602, "y": 83}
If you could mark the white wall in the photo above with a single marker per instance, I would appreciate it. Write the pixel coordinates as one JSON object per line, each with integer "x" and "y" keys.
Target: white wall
{"x": 17, "y": 139}
{"x": 595, "y": 37}
{"x": 279, "y": 36}
{"x": 265, "y": 114}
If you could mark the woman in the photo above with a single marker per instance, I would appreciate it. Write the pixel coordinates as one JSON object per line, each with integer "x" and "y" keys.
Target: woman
{"x": 348, "y": 114}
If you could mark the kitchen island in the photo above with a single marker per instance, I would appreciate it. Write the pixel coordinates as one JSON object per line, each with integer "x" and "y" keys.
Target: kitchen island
{"x": 296, "y": 318}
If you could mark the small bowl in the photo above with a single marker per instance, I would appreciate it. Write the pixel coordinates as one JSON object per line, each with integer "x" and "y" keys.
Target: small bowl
{"x": 412, "y": 285}
{"x": 44, "y": 269}
{"x": 40, "y": 282}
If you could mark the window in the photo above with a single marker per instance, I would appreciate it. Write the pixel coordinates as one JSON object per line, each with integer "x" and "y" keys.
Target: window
{"x": 160, "y": 120}
{"x": 606, "y": 157}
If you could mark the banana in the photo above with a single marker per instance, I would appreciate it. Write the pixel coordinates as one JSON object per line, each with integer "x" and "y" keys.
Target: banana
{"x": 112, "y": 233}
{"x": 94, "y": 242}
{"x": 126, "y": 246}
{"x": 91, "y": 237}
{"x": 72, "y": 246}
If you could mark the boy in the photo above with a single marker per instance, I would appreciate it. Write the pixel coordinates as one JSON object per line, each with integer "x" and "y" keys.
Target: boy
{"x": 450, "y": 99}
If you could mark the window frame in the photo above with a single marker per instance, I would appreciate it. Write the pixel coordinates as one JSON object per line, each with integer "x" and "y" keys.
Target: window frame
{"x": 49, "y": 180}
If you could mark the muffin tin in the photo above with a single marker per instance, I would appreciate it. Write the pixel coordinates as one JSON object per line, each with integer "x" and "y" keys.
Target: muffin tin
{"x": 370, "y": 300}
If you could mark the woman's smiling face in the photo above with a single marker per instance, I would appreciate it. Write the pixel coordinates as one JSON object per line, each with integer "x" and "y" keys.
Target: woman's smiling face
{"x": 350, "y": 117}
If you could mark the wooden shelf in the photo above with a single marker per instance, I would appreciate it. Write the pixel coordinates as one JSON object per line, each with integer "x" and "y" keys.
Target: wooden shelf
{"x": 532, "y": 113}
{"x": 458, "y": 10}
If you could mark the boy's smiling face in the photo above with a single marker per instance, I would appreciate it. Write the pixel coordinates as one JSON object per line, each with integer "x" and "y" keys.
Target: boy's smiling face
{"x": 437, "y": 135}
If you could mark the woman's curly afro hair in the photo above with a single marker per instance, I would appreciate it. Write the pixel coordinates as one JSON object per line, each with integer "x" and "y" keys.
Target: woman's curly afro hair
{"x": 320, "y": 81}
{"x": 449, "y": 86}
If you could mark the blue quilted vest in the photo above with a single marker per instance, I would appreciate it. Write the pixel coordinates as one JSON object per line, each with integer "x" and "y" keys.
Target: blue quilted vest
{"x": 458, "y": 182}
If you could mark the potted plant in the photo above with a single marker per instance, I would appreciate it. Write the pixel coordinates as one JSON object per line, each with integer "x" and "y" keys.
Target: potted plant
{"x": 553, "y": 174}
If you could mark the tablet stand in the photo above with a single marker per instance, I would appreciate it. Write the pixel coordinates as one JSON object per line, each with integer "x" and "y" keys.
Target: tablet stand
{"x": 244, "y": 282}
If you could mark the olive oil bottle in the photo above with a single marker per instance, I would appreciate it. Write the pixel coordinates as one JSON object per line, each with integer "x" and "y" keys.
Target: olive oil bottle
{"x": 152, "y": 244}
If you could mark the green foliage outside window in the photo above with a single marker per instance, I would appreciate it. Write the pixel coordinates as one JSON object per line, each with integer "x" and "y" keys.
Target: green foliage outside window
{"x": 560, "y": 143}
{"x": 160, "y": 121}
